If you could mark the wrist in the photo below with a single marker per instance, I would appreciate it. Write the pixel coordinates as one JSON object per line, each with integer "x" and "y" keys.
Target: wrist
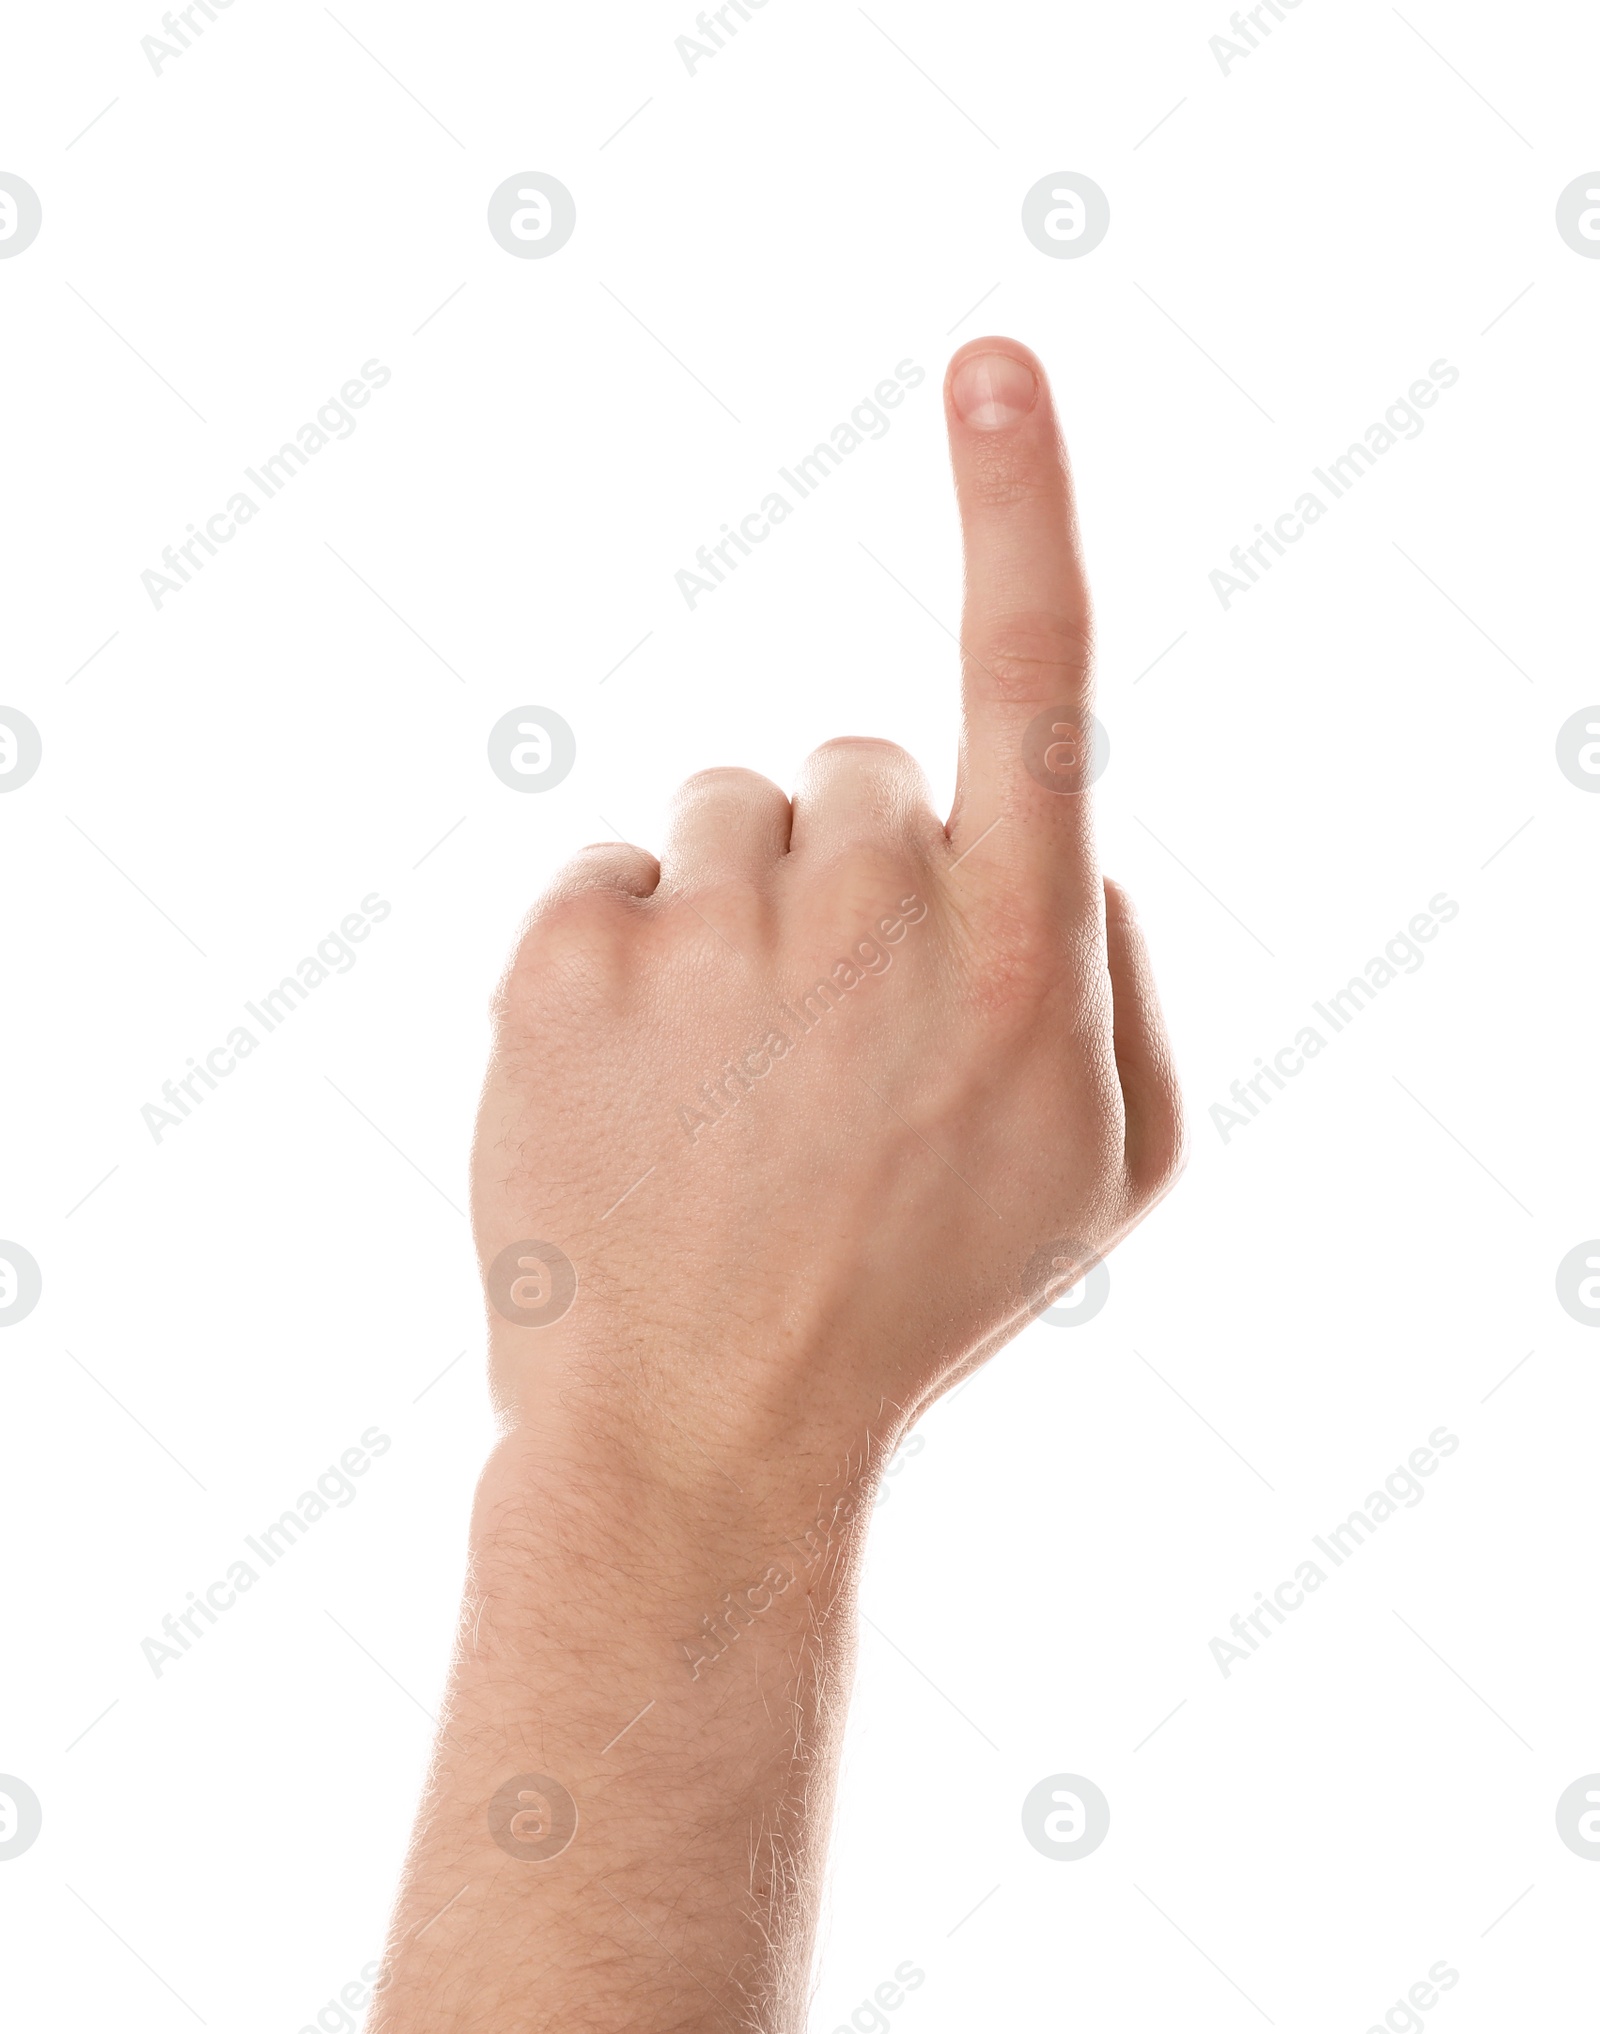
{"x": 677, "y": 1522}
{"x": 712, "y": 1447}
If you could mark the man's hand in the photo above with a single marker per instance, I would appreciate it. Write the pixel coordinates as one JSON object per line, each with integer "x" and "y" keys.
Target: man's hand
{"x": 782, "y": 1135}
{"x": 803, "y": 1101}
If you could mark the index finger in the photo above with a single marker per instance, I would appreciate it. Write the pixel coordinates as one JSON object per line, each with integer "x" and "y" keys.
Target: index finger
{"x": 1026, "y": 628}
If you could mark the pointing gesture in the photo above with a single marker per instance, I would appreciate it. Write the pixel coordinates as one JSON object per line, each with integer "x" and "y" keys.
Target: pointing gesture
{"x": 783, "y": 1133}
{"x": 862, "y": 1066}
{"x": 1026, "y": 632}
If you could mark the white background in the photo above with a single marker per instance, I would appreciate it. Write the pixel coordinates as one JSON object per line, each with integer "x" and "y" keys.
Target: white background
{"x": 1292, "y": 781}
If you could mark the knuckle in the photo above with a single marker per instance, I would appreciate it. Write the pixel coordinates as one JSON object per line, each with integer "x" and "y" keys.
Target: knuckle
{"x": 873, "y": 787}
{"x": 601, "y": 865}
{"x": 880, "y": 769}
{"x": 866, "y": 748}
{"x": 570, "y": 946}
{"x": 1004, "y": 472}
{"x": 722, "y": 780}
{"x": 1034, "y": 656}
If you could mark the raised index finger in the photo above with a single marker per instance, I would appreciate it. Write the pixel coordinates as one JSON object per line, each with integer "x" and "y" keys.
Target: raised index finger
{"x": 1025, "y": 636}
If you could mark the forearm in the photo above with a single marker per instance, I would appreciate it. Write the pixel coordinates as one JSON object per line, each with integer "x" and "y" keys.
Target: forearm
{"x": 669, "y": 1643}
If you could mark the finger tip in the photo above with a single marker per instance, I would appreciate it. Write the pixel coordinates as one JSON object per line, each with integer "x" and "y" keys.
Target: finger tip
{"x": 992, "y": 383}
{"x": 994, "y": 342}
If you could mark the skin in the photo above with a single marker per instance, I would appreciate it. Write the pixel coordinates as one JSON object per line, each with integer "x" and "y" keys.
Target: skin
{"x": 657, "y": 1631}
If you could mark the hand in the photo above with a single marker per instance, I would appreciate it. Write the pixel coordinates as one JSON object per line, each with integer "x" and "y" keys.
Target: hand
{"x": 780, "y": 1137}
{"x": 828, "y": 1102}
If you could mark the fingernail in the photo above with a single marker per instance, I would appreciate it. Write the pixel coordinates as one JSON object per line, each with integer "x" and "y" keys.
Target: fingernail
{"x": 993, "y": 391}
